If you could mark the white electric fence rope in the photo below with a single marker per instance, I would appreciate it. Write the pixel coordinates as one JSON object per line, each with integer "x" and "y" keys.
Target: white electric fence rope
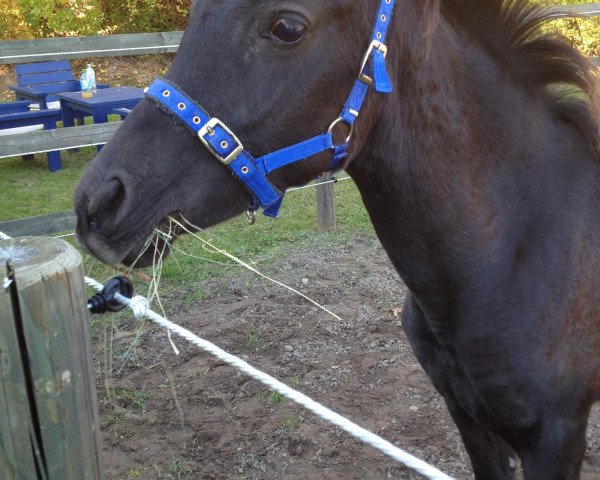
{"x": 316, "y": 185}
{"x": 140, "y": 307}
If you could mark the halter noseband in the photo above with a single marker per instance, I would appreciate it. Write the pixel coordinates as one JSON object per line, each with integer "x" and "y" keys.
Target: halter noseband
{"x": 227, "y": 148}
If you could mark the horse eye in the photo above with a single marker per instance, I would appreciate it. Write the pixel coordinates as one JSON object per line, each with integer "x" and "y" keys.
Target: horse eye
{"x": 288, "y": 30}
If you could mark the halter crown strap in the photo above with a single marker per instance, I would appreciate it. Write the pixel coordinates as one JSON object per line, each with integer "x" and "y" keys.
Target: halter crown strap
{"x": 221, "y": 142}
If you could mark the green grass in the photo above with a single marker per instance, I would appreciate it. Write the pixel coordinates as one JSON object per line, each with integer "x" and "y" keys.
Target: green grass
{"x": 130, "y": 398}
{"x": 112, "y": 420}
{"x": 28, "y": 189}
{"x": 253, "y": 341}
{"x": 264, "y": 243}
{"x": 275, "y": 398}
{"x": 135, "y": 472}
{"x": 291, "y": 423}
{"x": 179, "y": 467}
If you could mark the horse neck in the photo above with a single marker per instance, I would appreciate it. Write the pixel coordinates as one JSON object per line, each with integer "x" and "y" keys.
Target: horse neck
{"x": 445, "y": 146}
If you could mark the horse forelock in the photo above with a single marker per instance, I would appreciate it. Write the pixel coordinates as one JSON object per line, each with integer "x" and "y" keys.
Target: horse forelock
{"x": 511, "y": 31}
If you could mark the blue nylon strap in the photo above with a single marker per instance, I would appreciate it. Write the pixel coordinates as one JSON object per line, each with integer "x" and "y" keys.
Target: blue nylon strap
{"x": 381, "y": 78}
{"x": 220, "y": 142}
{"x": 354, "y": 102}
{"x": 375, "y": 64}
{"x": 340, "y": 153}
{"x": 269, "y": 198}
{"x": 192, "y": 115}
{"x": 300, "y": 151}
{"x": 273, "y": 210}
{"x": 157, "y": 92}
{"x": 375, "y": 67}
{"x": 383, "y": 20}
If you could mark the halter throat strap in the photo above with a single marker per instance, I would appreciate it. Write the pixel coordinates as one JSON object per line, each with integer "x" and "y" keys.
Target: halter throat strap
{"x": 222, "y": 143}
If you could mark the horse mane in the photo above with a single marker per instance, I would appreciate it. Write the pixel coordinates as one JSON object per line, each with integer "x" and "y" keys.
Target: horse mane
{"x": 511, "y": 30}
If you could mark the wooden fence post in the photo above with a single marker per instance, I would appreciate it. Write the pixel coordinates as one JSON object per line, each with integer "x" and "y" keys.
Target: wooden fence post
{"x": 325, "y": 203}
{"x": 48, "y": 411}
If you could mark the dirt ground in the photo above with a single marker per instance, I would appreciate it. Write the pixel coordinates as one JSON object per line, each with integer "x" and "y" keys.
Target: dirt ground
{"x": 191, "y": 417}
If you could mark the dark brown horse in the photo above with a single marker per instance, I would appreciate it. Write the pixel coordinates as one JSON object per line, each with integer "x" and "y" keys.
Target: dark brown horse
{"x": 480, "y": 174}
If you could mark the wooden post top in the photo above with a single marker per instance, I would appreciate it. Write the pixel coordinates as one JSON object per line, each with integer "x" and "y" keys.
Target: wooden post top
{"x": 48, "y": 411}
{"x": 35, "y": 258}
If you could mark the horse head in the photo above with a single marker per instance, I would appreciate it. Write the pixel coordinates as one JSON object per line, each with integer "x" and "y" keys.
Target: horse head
{"x": 275, "y": 73}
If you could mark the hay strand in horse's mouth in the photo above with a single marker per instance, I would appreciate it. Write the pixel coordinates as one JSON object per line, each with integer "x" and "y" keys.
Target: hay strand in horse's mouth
{"x": 247, "y": 265}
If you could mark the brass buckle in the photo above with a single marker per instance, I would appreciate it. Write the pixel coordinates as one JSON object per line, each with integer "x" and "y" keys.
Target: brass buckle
{"x": 375, "y": 45}
{"x": 209, "y": 130}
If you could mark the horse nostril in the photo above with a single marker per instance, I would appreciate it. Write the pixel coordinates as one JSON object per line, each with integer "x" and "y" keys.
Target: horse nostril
{"x": 105, "y": 202}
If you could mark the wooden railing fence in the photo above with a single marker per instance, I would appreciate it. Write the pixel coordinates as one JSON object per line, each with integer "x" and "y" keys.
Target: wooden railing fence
{"x": 47, "y": 49}
{"x": 581, "y": 10}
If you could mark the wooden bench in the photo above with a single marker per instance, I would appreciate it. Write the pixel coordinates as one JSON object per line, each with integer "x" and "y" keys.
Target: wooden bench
{"x": 44, "y": 72}
{"x": 14, "y": 107}
{"x": 122, "y": 112}
{"x": 17, "y": 114}
{"x": 40, "y": 82}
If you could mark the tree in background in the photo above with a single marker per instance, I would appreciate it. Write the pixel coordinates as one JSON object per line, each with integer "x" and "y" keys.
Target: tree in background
{"x": 12, "y": 23}
{"x": 133, "y": 16}
{"x": 58, "y": 18}
{"x": 583, "y": 33}
{"x": 52, "y": 18}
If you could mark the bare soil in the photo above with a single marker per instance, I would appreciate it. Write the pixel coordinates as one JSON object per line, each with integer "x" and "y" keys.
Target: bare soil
{"x": 191, "y": 417}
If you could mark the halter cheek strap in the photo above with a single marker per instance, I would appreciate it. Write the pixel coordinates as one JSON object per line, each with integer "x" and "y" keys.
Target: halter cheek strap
{"x": 227, "y": 148}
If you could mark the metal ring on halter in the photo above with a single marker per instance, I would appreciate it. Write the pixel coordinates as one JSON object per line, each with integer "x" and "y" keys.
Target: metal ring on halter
{"x": 340, "y": 120}
{"x": 251, "y": 216}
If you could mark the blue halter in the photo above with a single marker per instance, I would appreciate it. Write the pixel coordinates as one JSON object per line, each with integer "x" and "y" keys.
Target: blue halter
{"x": 227, "y": 148}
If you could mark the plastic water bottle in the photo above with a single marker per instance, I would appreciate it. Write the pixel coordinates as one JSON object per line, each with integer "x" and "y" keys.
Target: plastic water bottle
{"x": 92, "y": 77}
{"x": 88, "y": 82}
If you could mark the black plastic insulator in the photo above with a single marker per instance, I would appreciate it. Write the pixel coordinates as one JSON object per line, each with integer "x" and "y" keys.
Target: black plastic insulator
{"x": 105, "y": 301}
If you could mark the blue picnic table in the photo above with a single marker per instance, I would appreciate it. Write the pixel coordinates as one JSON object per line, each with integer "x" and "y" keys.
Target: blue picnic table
{"x": 42, "y": 94}
{"x": 17, "y": 114}
{"x": 104, "y": 102}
